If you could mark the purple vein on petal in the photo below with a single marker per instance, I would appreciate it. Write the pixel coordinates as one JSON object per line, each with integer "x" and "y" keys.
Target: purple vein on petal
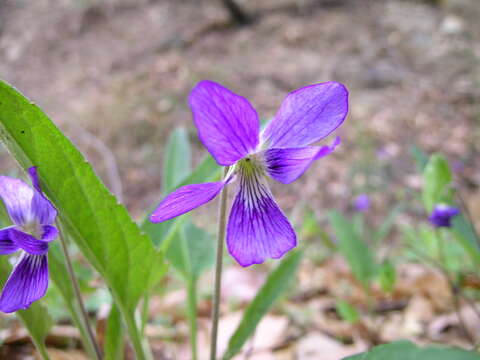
{"x": 257, "y": 229}
{"x": 307, "y": 115}
{"x": 186, "y": 199}
{"x": 27, "y": 283}
{"x": 287, "y": 165}
{"x": 227, "y": 123}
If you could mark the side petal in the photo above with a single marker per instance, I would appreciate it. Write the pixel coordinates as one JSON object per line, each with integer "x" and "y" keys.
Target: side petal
{"x": 185, "y": 199}
{"x": 17, "y": 197}
{"x": 41, "y": 207}
{"x": 49, "y": 233}
{"x": 227, "y": 123}
{"x": 257, "y": 229}
{"x": 28, "y": 243}
{"x": 307, "y": 115}
{"x": 27, "y": 283}
{"x": 287, "y": 165}
{"x": 7, "y": 246}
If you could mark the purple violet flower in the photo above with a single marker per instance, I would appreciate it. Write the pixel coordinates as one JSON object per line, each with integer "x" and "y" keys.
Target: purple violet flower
{"x": 33, "y": 216}
{"x": 229, "y": 128}
{"x": 362, "y": 202}
{"x": 442, "y": 215}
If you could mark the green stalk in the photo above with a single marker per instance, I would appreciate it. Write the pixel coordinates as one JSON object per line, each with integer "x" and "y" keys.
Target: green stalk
{"x": 90, "y": 338}
{"x": 192, "y": 313}
{"x": 222, "y": 217}
{"x": 140, "y": 345}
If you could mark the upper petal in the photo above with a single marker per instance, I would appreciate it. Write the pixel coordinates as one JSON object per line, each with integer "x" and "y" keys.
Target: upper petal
{"x": 17, "y": 197}
{"x": 41, "y": 207}
{"x": 27, "y": 283}
{"x": 7, "y": 246}
{"x": 185, "y": 199}
{"x": 257, "y": 229}
{"x": 287, "y": 165}
{"x": 307, "y": 115}
{"x": 227, "y": 123}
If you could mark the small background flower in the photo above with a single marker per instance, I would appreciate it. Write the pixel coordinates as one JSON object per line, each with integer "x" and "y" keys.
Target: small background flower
{"x": 442, "y": 215}
{"x": 362, "y": 202}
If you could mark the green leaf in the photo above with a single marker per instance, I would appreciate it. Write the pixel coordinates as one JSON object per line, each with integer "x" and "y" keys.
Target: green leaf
{"x": 465, "y": 234}
{"x": 177, "y": 164}
{"x": 387, "y": 276}
{"x": 100, "y": 226}
{"x": 114, "y": 344}
{"x": 352, "y": 247}
{"x": 275, "y": 285}
{"x": 437, "y": 179}
{"x": 191, "y": 252}
{"x": 347, "y": 312}
{"x": 387, "y": 224}
{"x": 405, "y": 350}
{"x": 36, "y": 318}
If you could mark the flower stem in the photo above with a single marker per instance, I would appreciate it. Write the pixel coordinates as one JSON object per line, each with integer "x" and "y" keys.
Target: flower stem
{"x": 222, "y": 217}
{"x": 78, "y": 295}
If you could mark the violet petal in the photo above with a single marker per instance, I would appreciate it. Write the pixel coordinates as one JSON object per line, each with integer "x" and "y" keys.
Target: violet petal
{"x": 442, "y": 215}
{"x": 362, "y": 202}
{"x": 49, "y": 233}
{"x": 227, "y": 123}
{"x": 257, "y": 229}
{"x": 307, "y": 115}
{"x": 27, "y": 283}
{"x": 42, "y": 208}
{"x": 7, "y": 246}
{"x": 17, "y": 197}
{"x": 185, "y": 199}
{"x": 287, "y": 165}
{"x": 28, "y": 243}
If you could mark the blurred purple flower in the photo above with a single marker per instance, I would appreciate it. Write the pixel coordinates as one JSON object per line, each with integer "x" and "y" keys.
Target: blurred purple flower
{"x": 33, "y": 216}
{"x": 362, "y": 202}
{"x": 442, "y": 215}
{"x": 229, "y": 128}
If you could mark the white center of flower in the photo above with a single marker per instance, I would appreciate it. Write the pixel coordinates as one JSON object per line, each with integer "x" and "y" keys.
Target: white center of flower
{"x": 33, "y": 228}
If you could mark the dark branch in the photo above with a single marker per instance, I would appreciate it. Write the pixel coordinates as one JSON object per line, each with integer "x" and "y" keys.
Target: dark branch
{"x": 237, "y": 14}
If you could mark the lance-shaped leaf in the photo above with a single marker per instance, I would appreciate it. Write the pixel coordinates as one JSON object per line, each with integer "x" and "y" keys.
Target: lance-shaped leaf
{"x": 101, "y": 227}
{"x": 275, "y": 285}
{"x": 437, "y": 179}
{"x": 353, "y": 248}
{"x": 177, "y": 163}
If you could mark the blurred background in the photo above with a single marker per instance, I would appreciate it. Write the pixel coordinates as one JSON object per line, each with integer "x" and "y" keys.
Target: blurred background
{"x": 114, "y": 75}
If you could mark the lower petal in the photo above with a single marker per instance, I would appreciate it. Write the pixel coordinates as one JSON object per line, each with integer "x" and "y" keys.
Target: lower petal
{"x": 7, "y": 246}
{"x": 27, "y": 283}
{"x": 287, "y": 165}
{"x": 257, "y": 229}
{"x": 186, "y": 199}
